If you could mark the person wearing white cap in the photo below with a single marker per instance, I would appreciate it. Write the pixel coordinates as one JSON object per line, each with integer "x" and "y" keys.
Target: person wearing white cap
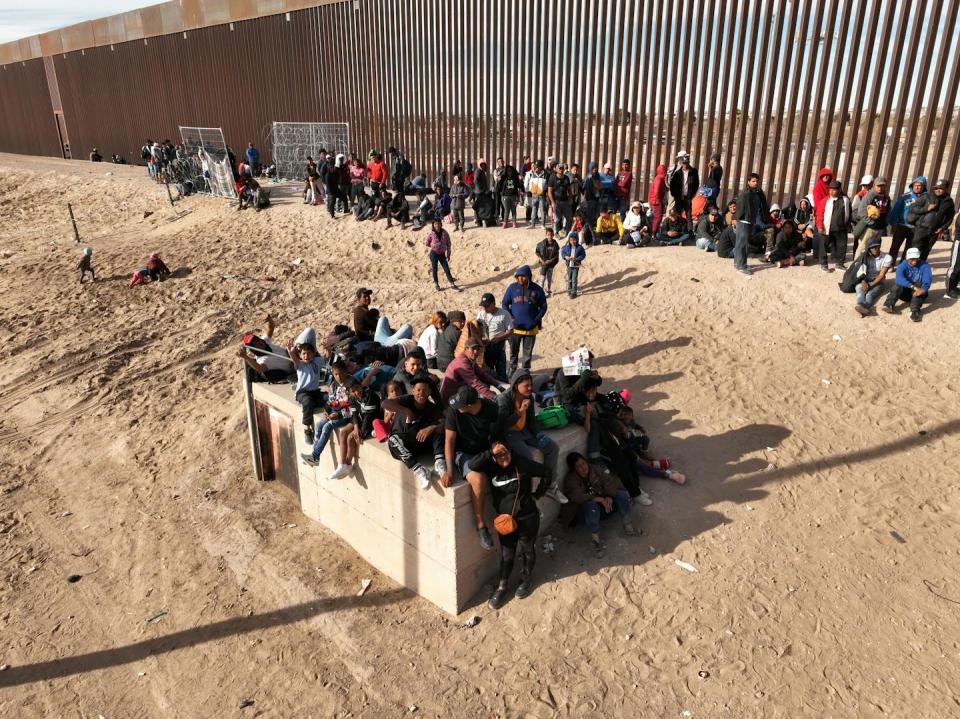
{"x": 865, "y": 183}
{"x": 914, "y": 278}
{"x": 684, "y": 183}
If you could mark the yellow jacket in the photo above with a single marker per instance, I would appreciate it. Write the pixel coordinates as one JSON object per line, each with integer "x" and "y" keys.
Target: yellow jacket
{"x": 610, "y": 224}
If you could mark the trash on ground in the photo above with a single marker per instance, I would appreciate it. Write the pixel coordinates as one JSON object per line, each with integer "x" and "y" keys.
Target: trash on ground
{"x": 297, "y": 262}
{"x": 472, "y": 622}
{"x": 364, "y": 586}
{"x": 825, "y": 381}
{"x": 899, "y": 537}
{"x": 837, "y": 338}
{"x": 246, "y": 703}
{"x": 703, "y": 674}
{"x": 156, "y": 617}
{"x": 74, "y": 578}
{"x": 685, "y": 565}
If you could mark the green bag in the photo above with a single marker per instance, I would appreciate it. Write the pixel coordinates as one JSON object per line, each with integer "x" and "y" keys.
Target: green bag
{"x": 552, "y": 418}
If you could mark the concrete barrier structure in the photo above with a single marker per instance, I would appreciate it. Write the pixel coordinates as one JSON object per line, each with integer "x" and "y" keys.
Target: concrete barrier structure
{"x": 424, "y": 540}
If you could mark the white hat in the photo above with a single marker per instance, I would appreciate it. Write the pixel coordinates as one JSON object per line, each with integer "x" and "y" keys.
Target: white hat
{"x": 913, "y": 253}
{"x": 866, "y": 180}
{"x": 682, "y": 153}
{"x": 608, "y": 166}
{"x": 307, "y": 337}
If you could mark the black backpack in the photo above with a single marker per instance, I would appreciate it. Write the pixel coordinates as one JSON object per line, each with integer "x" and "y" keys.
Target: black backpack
{"x": 851, "y": 277}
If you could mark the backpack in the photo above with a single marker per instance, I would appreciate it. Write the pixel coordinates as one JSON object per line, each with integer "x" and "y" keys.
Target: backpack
{"x": 851, "y": 277}
{"x": 552, "y": 418}
{"x": 145, "y": 153}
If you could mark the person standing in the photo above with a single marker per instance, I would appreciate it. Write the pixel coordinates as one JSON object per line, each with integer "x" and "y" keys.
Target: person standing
{"x": 499, "y": 167}
{"x": 877, "y": 218}
{"x": 657, "y": 198}
{"x": 558, "y": 193}
{"x": 866, "y": 182}
{"x": 953, "y": 269}
{"x": 684, "y": 184}
{"x": 573, "y": 256}
{"x": 509, "y": 190}
{"x": 535, "y": 184}
{"x": 714, "y": 172}
{"x": 481, "y": 192}
{"x": 752, "y": 209}
{"x": 458, "y": 202}
{"x": 622, "y": 186}
{"x": 377, "y": 172}
{"x": 576, "y": 187}
{"x": 820, "y": 193}
{"x": 912, "y": 285}
{"x": 439, "y": 249}
{"x": 931, "y": 215}
{"x": 836, "y": 224}
{"x": 548, "y": 253}
{"x": 527, "y": 304}
{"x": 590, "y": 207}
{"x": 253, "y": 159}
{"x": 901, "y": 229}
{"x": 496, "y": 326}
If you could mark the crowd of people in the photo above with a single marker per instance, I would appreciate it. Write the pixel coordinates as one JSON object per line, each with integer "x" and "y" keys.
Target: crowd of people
{"x": 458, "y": 402}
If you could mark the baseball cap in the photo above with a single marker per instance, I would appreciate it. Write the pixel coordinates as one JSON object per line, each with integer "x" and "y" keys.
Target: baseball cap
{"x": 682, "y": 154}
{"x": 875, "y": 242}
{"x": 456, "y": 316}
{"x": 913, "y": 253}
{"x": 944, "y": 183}
{"x": 464, "y": 397}
{"x": 607, "y": 166}
{"x": 363, "y": 291}
{"x": 248, "y": 338}
{"x": 880, "y": 181}
{"x": 866, "y": 180}
{"x": 487, "y": 299}
{"x": 715, "y": 156}
{"x": 835, "y": 185}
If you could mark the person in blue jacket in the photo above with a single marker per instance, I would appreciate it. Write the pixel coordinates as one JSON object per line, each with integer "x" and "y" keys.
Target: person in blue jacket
{"x": 527, "y": 304}
{"x": 253, "y": 158}
{"x": 902, "y": 230}
{"x": 914, "y": 278}
{"x": 573, "y": 255}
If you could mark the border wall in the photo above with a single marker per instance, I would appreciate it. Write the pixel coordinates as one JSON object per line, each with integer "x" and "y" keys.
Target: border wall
{"x": 762, "y": 81}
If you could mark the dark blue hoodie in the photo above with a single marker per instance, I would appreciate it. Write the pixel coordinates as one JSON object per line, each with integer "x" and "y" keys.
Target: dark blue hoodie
{"x": 527, "y": 304}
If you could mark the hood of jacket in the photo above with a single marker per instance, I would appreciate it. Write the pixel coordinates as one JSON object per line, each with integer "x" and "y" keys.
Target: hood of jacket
{"x": 661, "y": 170}
{"x": 523, "y": 271}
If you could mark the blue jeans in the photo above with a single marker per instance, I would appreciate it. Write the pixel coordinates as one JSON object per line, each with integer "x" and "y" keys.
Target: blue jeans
{"x": 868, "y": 298}
{"x": 743, "y": 231}
{"x": 387, "y": 336}
{"x": 325, "y": 428}
{"x": 538, "y": 210}
{"x": 705, "y": 243}
{"x": 592, "y": 513}
{"x": 442, "y": 261}
{"x": 673, "y": 240}
{"x": 573, "y": 274}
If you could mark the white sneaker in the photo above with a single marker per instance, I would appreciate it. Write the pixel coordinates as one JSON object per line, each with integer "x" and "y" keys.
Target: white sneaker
{"x": 553, "y": 491}
{"x": 340, "y": 472}
{"x": 440, "y": 467}
{"x": 423, "y": 477}
{"x": 643, "y": 498}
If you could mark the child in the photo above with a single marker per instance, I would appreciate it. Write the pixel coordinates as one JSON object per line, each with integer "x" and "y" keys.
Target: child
{"x": 337, "y": 413}
{"x": 458, "y": 198}
{"x": 548, "y": 252}
{"x": 139, "y": 277}
{"x": 157, "y": 268}
{"x": 573, "y": 255}
{"x": 84, "y": 265}
{"x": 366, "y": 409}
{"x": 638, "y": 442}
{"x": 381, "y": 427}
{"x": 310, "y": 373}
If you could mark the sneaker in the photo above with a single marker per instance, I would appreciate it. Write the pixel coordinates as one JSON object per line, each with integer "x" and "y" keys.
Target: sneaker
{"x": 308, "y": 436}
{"x": 951, "y": 295}
{"x": 915, "y": 316}
{"x": 498, "y": 597}
{"x": 553, "y": 491}
{"x": 745, "y": 271}
{"x": 643, "y": 498}
{"x": 423, "y": 477}
{"x": 486, "y": 541}
{"x": 887, "y": 308}
{"x": 340, "y": 472}
{"x": 440, "y": 467}
{"x": 630, "y": 529}
{"x": 841, "y": 266}
{"x": 824, "y": 268}
{"x": 436, "y": 286}
{"x": 861, "y": 310}
{"x": 523, "y": 589}
{"x": 599, "y": 548}
{"x": 307, "y": 457}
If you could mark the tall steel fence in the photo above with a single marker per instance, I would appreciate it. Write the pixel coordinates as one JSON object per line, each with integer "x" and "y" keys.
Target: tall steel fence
{"x": 781, "y": 87}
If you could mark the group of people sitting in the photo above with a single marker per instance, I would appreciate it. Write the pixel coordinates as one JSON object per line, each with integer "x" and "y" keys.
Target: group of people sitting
{"x": 450, "y": 406}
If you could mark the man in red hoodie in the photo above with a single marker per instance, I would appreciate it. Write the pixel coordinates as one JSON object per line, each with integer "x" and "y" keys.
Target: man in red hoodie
{"x": 621, "y": 187}
{"x": 377, "y": 170}
{"x": 821, "y": 192}
{"x": 657, "y": 198}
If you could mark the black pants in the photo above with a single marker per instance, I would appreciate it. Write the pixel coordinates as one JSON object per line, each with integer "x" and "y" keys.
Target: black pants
{"x": 522, "y": 544}
{"x": 901, "y": 236}
{"x": 311, "y": 401}
{"x": 495, "y": 359}
{"x": 527, "y": 342}
{"x": 836, "y": 242}
{"x": 953, "y": 269}
{"x": 404, "y": 447}
{"x": 334, "y": 195}
{"x": 605, "y": 238}
{"x": 923, "y": 240}
{"x": 905, "y": 294}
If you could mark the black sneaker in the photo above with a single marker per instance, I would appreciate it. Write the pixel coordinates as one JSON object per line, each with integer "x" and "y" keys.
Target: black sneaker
{"x": 824, "y": 268}
{"x": 308, "y": 435}
{"x": 523, "y": 589}
{"x": 951, "y": 295}
{"x": 887, "y": 308}
{"x": 841, "y": 266}
{"x": 915, "y": 316}
{"x": 862, "y": 310}
{"x": 498, "y": 597}
{"x": 486, "y": 541}
{"x": 599, "y": 548}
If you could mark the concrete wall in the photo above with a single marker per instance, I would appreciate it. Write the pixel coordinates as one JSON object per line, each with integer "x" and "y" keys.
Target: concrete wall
{"x": 423, "y": 540}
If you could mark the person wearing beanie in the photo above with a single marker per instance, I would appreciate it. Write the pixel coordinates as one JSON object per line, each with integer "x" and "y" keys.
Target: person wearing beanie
{"x": 518, "y": 422}
{"x": 834, "y": 226}
{"x": 447, "y": 340}
{"x": 573, "y": 255}
{"x": 872, "y": 274}
{"x": 527, "y": 304}
{"x": 901, "y": 229}
{"x": 595, "y": 495}
{"x": 914, "y": 278}
{"x": 931, "y": 215}
{"x": 85, "y": 265}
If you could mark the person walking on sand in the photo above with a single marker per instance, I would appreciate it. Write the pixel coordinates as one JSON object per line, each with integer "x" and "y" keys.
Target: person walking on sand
{"x": 527, "y": 304}
{"x": 752, "y": 209}
{"x": 438, "y": 246}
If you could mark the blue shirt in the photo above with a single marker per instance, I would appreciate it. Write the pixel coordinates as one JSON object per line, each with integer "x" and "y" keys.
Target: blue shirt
{"x": 310, "y": 375}
{"x": 908, "y": 276}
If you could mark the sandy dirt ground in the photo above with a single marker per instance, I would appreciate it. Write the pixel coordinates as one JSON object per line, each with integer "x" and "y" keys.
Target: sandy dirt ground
{"x": 822, "y": 507}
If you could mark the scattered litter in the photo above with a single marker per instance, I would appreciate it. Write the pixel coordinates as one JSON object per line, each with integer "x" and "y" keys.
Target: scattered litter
{"x": 649, "y": 284}
{"x": 769, "y": 449}
{"x": 364, "y": 586}
{"x": 514, "y": 246}
{"x": 627, "y": 637}
{"x": 685, "y": 565}
{"x": 749, "y": 508}
{"x": 653, "y": 550}
{"x": 74, "y": 578}
{"x": 246, "y": 703}
{"x": 156, "y": 617}
{"x": 899, "y": 537}
{"x": 549, "y": 544}
{"x": 837, "y": 338}
{"x": 208, "y": 493}
{"x": 686, "y": 713}
{"x": 180, "y": 295}
{"x": 929, "y": 585}
{"x": 108, "y": 174}
{"x": 33, "y": 569}
{"x": 495, "y": 268}
{"x": 703, "y": 674}
{"x": 694, "y": 279}
{"x": 4, "y": 667}
{"x": 297, "y": 262}
{"x": 291, "y": 526}
{"x": 141, "y": 674}
{"x": 80, "y": 555}
{"x": 375, "y": 245}
{"x": 825, "y": 381}
{"x": 922, "y": 433}
{"x": 412, "y": 708}
{"x": 147, "y": 213}
{"x": 411, "y": 243}
{"x": 471, "y": 622}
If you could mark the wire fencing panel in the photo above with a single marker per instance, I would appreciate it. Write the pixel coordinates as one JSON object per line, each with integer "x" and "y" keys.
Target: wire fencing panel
{"x": 208, "y": 160}
{"x": 293, "y": 142}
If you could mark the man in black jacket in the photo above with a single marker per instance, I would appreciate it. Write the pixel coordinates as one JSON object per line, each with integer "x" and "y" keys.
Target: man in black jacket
{"x": 930, "y": 215}
{"x": 751, "y": 215}
{"x": 684, "y": 183}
